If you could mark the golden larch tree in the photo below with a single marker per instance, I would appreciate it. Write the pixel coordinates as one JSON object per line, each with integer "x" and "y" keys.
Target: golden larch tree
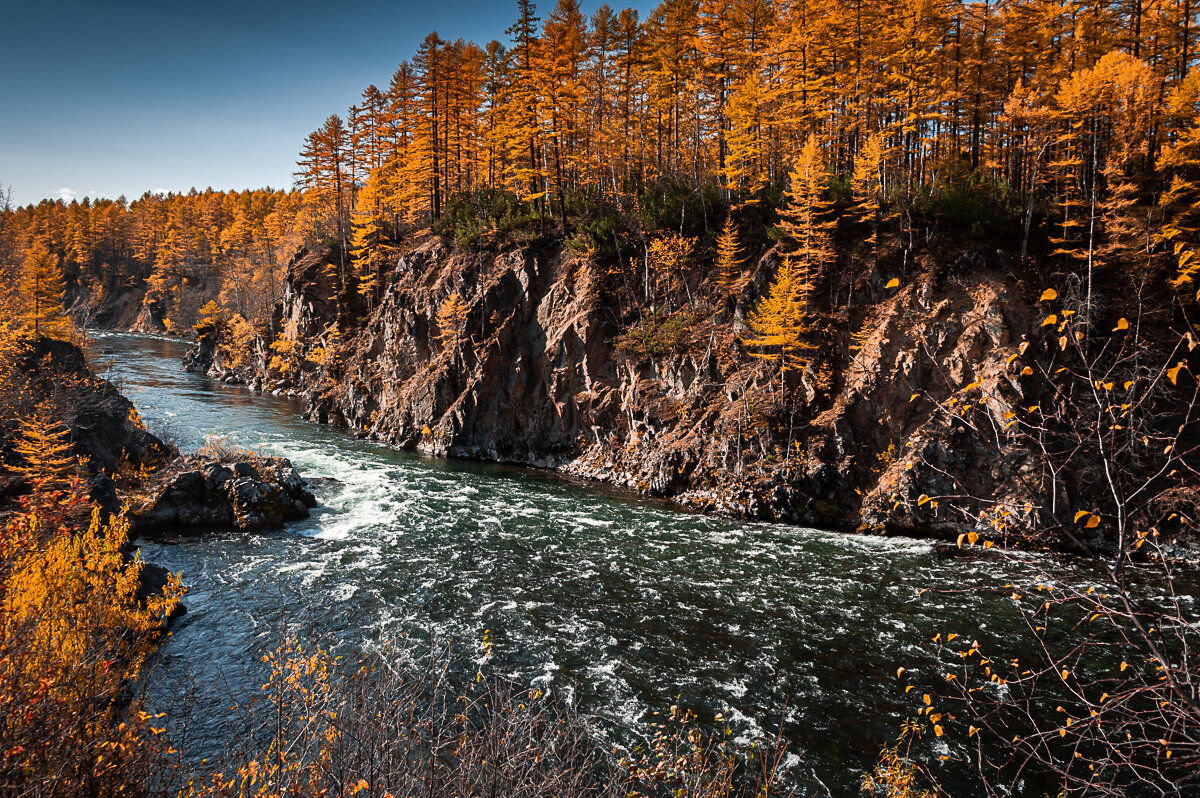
{"x": 867, "y": 187}
{"x": 805, "y": 223}
{"x": 450, "y": 317}
{"x": 370, "y": 248}
{"x": 729, "y": 255}
{"x": 41, "y": 294}
{"x": 780, "y": 321}
{"x": 44, "y": 445}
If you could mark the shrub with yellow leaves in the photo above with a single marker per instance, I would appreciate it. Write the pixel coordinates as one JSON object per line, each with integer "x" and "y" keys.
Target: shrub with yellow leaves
{"x": 1112, "y": 419}
{"x": 75, "y": 632}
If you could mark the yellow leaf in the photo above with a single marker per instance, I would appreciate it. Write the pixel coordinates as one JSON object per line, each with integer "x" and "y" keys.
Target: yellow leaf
{"x": 1023, "y": 347}
{"x": 899, "y": 671}
{"x": 938, "y": 731}
{"x": 1124, "y": 665}
{"x": 924, "y": 499}
{"x": 971, "y": 387}
{"x": 1123, "y": 324}
{"x": 914, "y": 397}
{"x": 893, "y": 283}
{"x": 927, "y": 699}
{"x": 1081, "y": 514}
{"x": 972, "y": 537}
{"x": 1050, "y": 321}
{"x": 1026, "y": 372}
{"x": 960, "y": 540}
{"x": 1093, "y": 522}
{"x": 1049, "y": 295}
{"x": 1173, "y": 374}
{"x": 987, "y": 544}
{"x": 1012, "y": 358}
{"x": 1062, "y": 732}
{"x": 1062, "y": 342}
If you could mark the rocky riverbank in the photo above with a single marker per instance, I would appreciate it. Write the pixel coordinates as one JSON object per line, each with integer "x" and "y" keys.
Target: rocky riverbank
{"x": 900, "y": 424}
{"x": 125, "y": 465}
{"x": 538, "y": 371}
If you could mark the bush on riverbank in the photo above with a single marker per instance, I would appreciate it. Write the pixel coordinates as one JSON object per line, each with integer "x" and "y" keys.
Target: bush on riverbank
{"x": 75, "y": 633}
{"x": 380, "y": 729}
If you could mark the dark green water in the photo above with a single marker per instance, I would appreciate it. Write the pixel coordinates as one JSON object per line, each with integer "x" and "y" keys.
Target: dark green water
{"x": 622, "y": 605}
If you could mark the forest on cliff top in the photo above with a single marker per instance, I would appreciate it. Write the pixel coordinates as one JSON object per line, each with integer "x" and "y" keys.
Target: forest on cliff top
{"x": 1061, "y": 131}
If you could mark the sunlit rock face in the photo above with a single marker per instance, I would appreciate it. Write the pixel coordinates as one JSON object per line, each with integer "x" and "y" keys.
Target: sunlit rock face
{"x": 541, "y": 370}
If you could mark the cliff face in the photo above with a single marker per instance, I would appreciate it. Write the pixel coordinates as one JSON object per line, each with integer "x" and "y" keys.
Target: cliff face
{"x": 541, "y": 372}
{"x": 903, "y": 422}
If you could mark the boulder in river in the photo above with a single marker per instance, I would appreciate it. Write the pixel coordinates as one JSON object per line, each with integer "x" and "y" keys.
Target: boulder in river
{"x": 249, "y": 493}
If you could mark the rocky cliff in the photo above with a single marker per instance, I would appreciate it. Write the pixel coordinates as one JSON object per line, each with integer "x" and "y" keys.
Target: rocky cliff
{"x": 540, "y": 371}
{"x": 538, "y": 368}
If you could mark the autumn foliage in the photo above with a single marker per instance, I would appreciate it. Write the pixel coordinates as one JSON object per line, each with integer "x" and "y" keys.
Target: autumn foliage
{"x": 75, "y": 632}
{"x": 759, "y": 172}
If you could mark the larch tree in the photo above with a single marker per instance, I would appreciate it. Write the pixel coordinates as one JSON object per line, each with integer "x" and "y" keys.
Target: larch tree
{"x": 805, "y": 223}
{"x": 747, "y": 157}
{"x": 41, "y": 294}
{"x": 560, "y": 64}
{"x": 867, "y": 188}
{"x": 1181, "y": 201}
{"x": 370, "y": 247}
{"x": 44, "y": 445}
{"x": 780, "y": 321}
{"x": 600, "y": 138}
{"x": 522, "y": 128}
{"x": 324, "y": 174}
{"x": 729, "y": 256}
{"x": 428, "y": 156}
{"x": 450, "y": 318}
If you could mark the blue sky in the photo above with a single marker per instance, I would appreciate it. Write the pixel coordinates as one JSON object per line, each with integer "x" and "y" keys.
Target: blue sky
{"x": 108, "y": 98}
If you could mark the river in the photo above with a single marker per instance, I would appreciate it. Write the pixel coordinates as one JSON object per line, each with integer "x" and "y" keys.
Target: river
{"x": 625, "y": 605}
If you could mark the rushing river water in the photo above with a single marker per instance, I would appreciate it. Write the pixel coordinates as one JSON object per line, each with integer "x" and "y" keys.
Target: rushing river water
{"x": 626, "y": 605}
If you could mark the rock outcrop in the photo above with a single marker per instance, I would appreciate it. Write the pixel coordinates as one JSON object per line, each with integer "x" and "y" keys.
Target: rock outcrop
{"x": 125, "y": 463}
{"x": 194, "y": 494}
{"x": 540, "y": 366}
{"x": 540, "y": 372}
{"x": 52, "y": 377}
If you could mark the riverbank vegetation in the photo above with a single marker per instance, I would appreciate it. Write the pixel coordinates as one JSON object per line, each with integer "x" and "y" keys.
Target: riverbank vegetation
{"x": 444, "y": 725}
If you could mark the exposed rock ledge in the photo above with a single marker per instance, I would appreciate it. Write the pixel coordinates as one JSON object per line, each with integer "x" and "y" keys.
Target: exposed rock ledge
{"x": 247, "y": 494}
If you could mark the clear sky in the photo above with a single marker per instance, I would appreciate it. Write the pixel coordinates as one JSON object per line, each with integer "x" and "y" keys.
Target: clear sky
{"x": 108, "y": 97}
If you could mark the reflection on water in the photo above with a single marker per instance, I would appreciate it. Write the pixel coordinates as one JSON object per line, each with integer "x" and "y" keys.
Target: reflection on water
{"x": 622, "y": 604}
